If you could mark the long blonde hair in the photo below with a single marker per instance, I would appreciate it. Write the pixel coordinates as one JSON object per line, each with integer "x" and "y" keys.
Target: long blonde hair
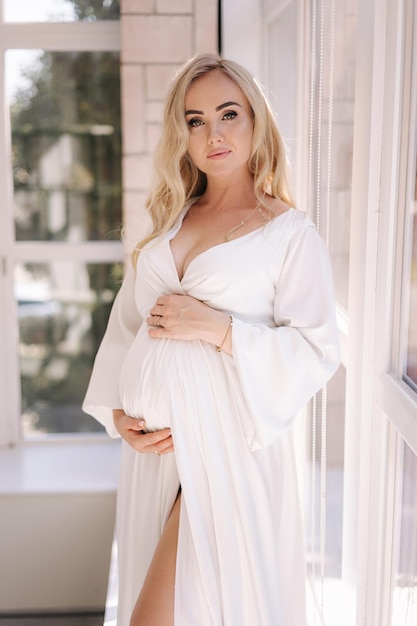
{"x": 177, "y": 180}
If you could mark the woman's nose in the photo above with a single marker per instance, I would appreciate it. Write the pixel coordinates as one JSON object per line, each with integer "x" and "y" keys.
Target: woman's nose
{"x": 214, "y": 134}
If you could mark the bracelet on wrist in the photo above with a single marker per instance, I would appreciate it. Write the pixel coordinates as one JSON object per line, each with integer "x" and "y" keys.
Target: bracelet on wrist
{"x": 219, "y": 348}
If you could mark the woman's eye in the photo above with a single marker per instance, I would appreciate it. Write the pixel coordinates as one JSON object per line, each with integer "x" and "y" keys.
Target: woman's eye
{"x": 230, "y": 115}
{"x": 195, "y": 121}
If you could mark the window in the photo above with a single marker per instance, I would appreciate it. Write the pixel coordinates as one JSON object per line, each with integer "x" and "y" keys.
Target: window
{"x": 65, "y": 121}
{"x": 403, "y": 365}
{"x": 63, "y": 308}
{"x": 61, "y": 208}
{"x": 404, "y": 602}
{"x": 410, "y": 293}
{"x": 316, "y": 117}
{"x": 60, "y": 10}
{"x": 403, "y": 415}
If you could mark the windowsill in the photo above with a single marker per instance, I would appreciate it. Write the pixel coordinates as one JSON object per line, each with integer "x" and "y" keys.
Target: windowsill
{"x": 73, "y": 466}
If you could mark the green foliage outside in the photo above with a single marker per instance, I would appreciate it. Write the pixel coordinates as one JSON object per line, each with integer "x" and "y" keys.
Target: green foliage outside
{"x": 70, "y": 104}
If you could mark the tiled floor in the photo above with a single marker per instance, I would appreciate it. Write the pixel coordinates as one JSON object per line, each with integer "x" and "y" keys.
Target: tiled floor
{"x": 89, "y": 619}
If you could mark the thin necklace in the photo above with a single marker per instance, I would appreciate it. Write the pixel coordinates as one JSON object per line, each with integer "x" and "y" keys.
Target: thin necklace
{"x": 232, "y": 230}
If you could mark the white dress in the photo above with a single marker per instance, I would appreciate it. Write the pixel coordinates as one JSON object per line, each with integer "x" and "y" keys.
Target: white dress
{"x": 240, "y": 558}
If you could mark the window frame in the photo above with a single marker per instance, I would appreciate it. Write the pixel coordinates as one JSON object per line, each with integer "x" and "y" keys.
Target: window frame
{"x": 386, "y": 405}
{"x": 51, "y": 36}
{"x": 394, "y": 396}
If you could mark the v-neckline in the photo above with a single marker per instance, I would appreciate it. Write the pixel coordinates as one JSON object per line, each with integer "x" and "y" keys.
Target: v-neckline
{"x": 177, "y": 227}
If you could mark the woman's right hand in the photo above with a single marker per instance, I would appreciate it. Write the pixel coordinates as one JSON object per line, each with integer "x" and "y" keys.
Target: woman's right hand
{"x": 131, "y": 430}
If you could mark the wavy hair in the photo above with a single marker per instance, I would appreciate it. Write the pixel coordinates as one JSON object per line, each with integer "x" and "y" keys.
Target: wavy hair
{"x": 177, "y": 180}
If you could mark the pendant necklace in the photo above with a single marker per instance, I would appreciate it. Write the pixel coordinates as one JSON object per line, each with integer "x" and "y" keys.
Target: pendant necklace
{"x": 232, "y": 230}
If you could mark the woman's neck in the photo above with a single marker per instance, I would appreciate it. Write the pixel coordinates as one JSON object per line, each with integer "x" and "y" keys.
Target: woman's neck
{"x": 226, "y": 194}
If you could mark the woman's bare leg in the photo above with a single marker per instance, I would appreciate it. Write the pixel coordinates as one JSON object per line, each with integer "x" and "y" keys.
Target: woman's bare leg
{"x": 155, "y": 604}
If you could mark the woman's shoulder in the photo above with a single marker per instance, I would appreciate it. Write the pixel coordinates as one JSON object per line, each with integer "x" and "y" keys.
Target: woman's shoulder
{"x": 288, "y": 219}
{"x": 279, "y": 208}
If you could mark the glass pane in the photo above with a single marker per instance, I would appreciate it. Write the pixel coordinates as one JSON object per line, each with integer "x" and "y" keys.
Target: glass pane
{"x": 66, "y": 141}
{"x": 411, "y": 367}
{"x": 332, "y": 198}
{"x": 282, "y": 53}
{"x": 60, "y": 10}
{"x": 324, "y": 505}
{"x": 282, "y": 66}
{"x": 63, "y": 312}
{"x": 404, "y": 608}
{"x": 409, "y": 299}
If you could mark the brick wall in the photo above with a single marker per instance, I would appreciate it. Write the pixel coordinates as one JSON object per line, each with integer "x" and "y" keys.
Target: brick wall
{"x": 157, "y": 36}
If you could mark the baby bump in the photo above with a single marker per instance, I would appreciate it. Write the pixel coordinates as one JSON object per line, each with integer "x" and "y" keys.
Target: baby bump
{"x": 147, "y": 379}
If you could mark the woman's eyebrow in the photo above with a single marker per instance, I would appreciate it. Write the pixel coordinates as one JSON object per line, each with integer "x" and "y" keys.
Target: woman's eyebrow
{"x": 227, "y": 104}
{"x": 218, "y": 108}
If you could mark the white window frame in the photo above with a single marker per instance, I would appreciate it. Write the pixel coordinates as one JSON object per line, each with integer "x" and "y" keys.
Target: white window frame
{"x": 60, "y": 36}
{"x": 381, "y": 408}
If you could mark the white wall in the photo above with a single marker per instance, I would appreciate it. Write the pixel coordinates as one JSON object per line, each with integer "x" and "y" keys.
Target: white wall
{"x": 241, "y": 33}
{"x": 57, "y": 514}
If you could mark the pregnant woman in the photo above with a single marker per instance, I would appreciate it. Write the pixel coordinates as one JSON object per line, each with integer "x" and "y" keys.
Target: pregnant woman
{"x": 223, "y": 329}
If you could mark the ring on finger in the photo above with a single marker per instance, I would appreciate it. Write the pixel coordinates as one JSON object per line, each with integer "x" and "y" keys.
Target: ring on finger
{"x": 157, "y": 319}
{"x": 157, "y": 452}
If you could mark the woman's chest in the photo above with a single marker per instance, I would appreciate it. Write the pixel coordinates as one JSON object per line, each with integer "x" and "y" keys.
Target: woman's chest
{"x": 238, "y": 276}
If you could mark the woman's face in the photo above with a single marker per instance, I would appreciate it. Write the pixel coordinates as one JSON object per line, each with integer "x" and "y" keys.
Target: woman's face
{"x": 220, "y": 124}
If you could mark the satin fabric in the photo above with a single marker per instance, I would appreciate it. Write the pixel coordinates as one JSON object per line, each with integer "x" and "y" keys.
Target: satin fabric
{"x": 240, "y": 558}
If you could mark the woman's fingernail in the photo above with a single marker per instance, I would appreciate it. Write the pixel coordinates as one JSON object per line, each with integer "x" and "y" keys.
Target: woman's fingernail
{"x": 141, "y": 423}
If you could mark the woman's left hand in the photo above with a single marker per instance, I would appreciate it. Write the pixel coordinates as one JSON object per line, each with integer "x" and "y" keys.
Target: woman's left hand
{"x": 182, "y": 317}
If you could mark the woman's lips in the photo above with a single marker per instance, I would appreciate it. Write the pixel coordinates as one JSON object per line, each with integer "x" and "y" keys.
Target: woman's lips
{"x": 219, "y": 154}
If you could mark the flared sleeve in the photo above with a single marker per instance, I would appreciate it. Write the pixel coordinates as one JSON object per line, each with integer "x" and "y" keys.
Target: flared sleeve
{"x": 124, "y": 321}
{"x": 281, "y": 367}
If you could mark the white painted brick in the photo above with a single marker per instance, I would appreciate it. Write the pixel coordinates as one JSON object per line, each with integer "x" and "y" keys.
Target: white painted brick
{"x": 158, "y": 79}
{"x": 137, "y": 171}
{"x": 206, "y": 26}
{"x": 133, "y": 109}
{"x": 156, "y": 38}
{"x": 137, "y": 6}
{"x": 154, "y": 112}
{"x": 174, "y": 6}
{"x": 153, "y": 135}
{"x": 135, "y": 218}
